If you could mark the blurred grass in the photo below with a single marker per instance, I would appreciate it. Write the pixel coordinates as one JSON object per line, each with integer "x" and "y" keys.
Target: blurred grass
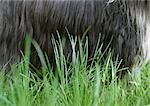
{"x": 78, "y": 84}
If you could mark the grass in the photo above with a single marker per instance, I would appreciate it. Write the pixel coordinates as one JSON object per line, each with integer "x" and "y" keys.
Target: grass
{"x": 78, "y": 84}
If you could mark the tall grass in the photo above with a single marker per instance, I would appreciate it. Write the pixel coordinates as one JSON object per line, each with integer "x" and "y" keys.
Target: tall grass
{"x": 73, "y": 84}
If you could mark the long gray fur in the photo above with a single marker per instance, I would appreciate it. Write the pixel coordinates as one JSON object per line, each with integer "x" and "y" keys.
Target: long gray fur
{"x": 40, "y": 19}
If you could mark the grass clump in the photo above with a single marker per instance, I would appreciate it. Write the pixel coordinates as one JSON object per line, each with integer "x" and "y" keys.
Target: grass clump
{"x": 75, "y": 84}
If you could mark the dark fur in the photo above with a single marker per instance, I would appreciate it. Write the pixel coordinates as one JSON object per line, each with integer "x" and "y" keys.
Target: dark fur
{"x": 42, "y": 18}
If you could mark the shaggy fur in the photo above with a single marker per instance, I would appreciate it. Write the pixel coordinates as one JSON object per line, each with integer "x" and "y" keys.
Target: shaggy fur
{"x": 115, "y": 20}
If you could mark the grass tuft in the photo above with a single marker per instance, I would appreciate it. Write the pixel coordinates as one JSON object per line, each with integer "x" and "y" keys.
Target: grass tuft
{"x": 75, "y": 84}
